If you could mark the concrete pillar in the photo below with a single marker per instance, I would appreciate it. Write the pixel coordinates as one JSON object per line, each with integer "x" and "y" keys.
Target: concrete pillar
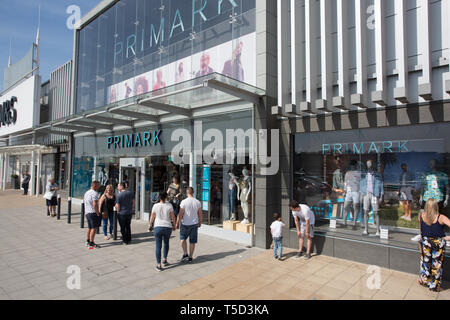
{"x": 39, "y": 166}
{"x": 32, "y": 174}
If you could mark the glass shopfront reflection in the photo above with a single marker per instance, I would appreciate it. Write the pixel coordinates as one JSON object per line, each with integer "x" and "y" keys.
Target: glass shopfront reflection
{"x": 140, "y": 46}
{"x": 371, "y": 178}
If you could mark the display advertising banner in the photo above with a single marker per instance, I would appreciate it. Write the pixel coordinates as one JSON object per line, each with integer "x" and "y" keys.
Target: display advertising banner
{"x": 19, "y": 107}
{"x": 138, "y": 46}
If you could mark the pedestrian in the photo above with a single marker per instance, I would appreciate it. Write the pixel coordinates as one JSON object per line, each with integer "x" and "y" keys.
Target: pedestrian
{"x": 26, "y": 183}
{"x": 303, "y": 214}
{"x": 93, "y": 215}
{"x": 190, "y": 217}
{"x": 432, "y": 245}
{"x": 174, "y": 194}
{"x": 276, "y": 228}
{"x": 107, "y": 203}
{"x": 51, "y": 197}
{"x": 162, "y": 221}
{"x": 125, "y": 205}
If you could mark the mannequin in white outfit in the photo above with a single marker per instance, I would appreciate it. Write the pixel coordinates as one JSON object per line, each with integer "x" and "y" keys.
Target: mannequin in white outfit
{"x": 246, "y": 187}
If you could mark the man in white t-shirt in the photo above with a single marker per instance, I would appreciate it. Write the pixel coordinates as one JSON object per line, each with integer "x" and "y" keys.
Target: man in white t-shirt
{"x": 190, "y": 217}
{"x": 304, "y": 214}
{"x": 92, "y": 213}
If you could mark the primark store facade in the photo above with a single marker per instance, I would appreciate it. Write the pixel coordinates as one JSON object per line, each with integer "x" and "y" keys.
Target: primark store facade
{"x": 219, "y": 92}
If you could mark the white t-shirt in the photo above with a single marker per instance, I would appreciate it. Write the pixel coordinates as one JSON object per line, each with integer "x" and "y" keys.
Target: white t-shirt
{"x": 89, "y": 198}
{"x": 277, "y": 228}
{"x": 190, "y": 206}
{"x": 162, "y": 213}
{"x": 304, "y": 214}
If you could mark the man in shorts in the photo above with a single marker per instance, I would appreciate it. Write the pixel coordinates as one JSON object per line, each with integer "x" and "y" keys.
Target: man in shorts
{"x": 406, "y": 192}
{"x": 190, "y": 217}
{"x": 93, "y": 216}
{"x": 303, "y": 214}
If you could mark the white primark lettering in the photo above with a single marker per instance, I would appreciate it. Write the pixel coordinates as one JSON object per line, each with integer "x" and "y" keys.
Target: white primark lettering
{"x": 192, "y": 310}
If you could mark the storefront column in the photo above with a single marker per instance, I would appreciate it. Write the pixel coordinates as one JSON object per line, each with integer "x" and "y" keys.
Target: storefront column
{"x": 39, "y": 164}
{"x": 32, "y": 175}
{"x": 2, "y": 164}
{"x": 5, "y": 171}
{"x": 192, "y": 172}
{"x": 95, "y": 174}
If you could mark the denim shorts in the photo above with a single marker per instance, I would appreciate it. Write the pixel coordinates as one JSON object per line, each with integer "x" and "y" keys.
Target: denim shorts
{"x": 93, "y": 220}
{"x": 190, "y": 232}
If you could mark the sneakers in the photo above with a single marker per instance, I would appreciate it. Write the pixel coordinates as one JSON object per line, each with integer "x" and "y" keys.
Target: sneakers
{"x": 275, "y": 257}
{"x": 93, "y": 246}
{"x": 190, "y": 259}
{"x": 159, "y": 268}
{"x": 165, "y": 263}
{"x": 403, "y": 217}
{"x": 184, "y": 257}
{"x": 88, "y": 244}
{"x": 365, "y": 233}
{"x": 299, "y": 255}
{"x": 307, "y": 256}
{"x": 416, "y": 238}
{"x": 408, "y": 218}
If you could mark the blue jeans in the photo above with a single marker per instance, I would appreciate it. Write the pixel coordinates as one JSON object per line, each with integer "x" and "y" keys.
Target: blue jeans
{"x": 278, "y": 246}
{"x": 111, "y": 224}
{"x": 162, "y": 234}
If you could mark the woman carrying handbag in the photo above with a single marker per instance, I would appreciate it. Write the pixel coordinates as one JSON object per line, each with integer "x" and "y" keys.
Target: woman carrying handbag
{"x": 107, "y": 203}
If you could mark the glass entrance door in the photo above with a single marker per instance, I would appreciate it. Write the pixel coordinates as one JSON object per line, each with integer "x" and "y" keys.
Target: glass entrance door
{"x": 132, "y": 174}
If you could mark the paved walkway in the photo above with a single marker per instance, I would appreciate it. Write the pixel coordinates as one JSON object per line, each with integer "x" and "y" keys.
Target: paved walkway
{"x": 36, "y": 251}
{"x": 321, "y": 278}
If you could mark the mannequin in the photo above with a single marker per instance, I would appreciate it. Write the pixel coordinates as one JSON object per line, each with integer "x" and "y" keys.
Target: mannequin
{"x": 246, "y": 188}
{"x": 102, "y": 177}
{"x": 338, "y": 178}
{"x": 435, "y": 186}
{"x": 233, "y": 191}
{"x": 372, "y": 190}
{"x": 351, "y": 189}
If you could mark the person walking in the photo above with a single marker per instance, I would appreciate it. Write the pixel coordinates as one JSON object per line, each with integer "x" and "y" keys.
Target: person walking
{"x": 432, "y": 245}
{"x": 93, "y": 215}
{"x": 276, "y": 228}
{"x": 51, "y": 196}
{"x": 190, "y": 217}
{"x": 107, "y": 203}
{"x": 125, "y": 205}
{"x": 162, "y": 221}
{"x": 26, "y": 183}
{"x": 303, "y": 214}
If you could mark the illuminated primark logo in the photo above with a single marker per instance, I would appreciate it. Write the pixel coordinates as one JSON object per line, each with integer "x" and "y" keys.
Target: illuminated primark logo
{"x": 366, "y": 147}
{"x": 134, "y": 140}
{"x": 184, "y": 19}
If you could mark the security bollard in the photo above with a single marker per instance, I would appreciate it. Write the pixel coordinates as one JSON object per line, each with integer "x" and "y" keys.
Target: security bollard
{"x": 115, "y": 223}
{"x": 58, "y": 216}
{"x": 82, "y": 216}
{"x": 69, "y": 210}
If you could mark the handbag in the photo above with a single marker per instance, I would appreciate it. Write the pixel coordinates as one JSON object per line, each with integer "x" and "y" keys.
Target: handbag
{"x": 104, "y": 209}
{"x": 48, "y": 195}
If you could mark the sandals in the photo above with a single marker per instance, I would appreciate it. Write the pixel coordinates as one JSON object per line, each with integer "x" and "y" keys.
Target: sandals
{"x": 421, "y": 283}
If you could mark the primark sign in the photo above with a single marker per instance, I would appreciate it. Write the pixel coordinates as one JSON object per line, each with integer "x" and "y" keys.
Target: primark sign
{"x": 8, "y": 114}
{"x": 170, "y": 22}
{"x": 366, "y": 147}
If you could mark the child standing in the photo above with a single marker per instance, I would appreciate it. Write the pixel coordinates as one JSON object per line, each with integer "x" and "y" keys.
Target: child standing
{"x": 276, "y": 229}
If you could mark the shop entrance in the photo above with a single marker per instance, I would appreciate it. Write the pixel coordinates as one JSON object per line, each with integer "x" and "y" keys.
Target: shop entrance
{"x": 131, "y": 173}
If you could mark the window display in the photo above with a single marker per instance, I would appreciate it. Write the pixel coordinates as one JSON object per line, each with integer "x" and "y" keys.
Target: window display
{"x": 369, "y": 179}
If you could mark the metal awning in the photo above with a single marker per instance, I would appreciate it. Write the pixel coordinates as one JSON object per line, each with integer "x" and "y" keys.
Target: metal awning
{"x": 182, "y": 100}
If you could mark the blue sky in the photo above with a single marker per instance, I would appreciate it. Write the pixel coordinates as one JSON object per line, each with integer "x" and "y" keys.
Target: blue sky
{"x": 19, "y": 21}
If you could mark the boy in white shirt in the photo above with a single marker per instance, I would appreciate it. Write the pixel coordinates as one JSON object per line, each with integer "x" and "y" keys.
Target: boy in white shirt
{"x": 276, "y": 229}
{"x": 306, "y": 217}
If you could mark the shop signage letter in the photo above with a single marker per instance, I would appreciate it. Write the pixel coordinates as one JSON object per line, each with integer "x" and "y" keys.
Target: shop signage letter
{"x": 8, "y": 115}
